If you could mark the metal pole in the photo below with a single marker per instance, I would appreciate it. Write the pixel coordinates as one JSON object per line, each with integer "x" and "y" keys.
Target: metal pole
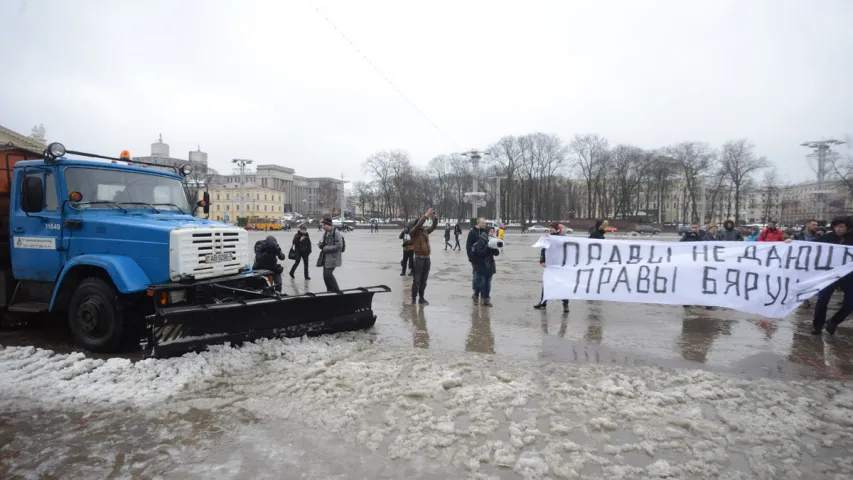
{"x": 474, "y": 160}
{"x": 704, "y": 202}
{"x": 343, "y": 197}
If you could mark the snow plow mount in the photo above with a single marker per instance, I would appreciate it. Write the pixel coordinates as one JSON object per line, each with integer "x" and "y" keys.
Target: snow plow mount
{"x": 250, "y": 311}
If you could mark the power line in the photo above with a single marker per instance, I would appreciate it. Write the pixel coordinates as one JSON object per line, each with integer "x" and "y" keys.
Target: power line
{"x": 446, "y": 137}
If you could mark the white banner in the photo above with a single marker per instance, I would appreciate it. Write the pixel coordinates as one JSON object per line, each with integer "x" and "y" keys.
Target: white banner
{"x": 765, "y": 278}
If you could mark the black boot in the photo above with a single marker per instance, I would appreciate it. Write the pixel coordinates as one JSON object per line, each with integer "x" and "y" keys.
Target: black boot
{"x": 423, "y": 301}
{"x": 487, "y": 302}
{"x": 540, "y": 305}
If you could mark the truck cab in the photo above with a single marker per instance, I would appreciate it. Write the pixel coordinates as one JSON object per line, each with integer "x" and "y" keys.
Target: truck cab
{"x": 83, "y": 233}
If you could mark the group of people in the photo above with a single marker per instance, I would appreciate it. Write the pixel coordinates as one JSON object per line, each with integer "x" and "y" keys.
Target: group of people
{"x": 840, "y": 233}
{"x": 268, "y": 253}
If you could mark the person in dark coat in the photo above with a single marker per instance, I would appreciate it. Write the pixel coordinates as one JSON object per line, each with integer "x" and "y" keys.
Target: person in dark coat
{"x": 554, "y": 230}
{"x": 694, "y": 235}
{"x": 408, "y": 252}
{"x": 729, "y": 233}
{"x": 266, "y": 253}
{"x": 447, "y": 237}
{"x": 302, "y": 246}
{"x": 473, "y": 236}
{"x": 841, "y": 234}
{"x": 597, "y": 232}
{"x": 484, "y": 265}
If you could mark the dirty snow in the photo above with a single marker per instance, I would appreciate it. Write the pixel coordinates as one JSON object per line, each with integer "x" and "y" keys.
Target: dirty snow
{"x": 479, "y": 416}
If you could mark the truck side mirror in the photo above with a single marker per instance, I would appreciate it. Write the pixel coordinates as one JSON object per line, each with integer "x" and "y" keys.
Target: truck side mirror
{"x": 32, "y": 195}
{"x": 205, "y": 203}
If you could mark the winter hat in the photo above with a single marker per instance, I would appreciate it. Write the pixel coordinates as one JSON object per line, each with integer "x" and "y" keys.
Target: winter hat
{"x": 303, "y": 227}
{"x": 327, "y": 220}
{"x": 555, "y": 225}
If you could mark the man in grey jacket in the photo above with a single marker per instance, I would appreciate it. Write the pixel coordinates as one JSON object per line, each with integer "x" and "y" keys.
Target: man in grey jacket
{"x": 729, "y": 233}
{"x": 331, "y": 246}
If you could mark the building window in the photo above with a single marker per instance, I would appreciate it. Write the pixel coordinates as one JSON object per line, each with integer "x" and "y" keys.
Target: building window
{"x": 265, "y": 197}
{"x": 227, "y": 196}
{"x": 265, "y": 208}
{"x": 217, "y": 196}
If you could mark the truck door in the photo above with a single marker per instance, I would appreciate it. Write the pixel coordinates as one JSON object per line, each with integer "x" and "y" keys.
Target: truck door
{"x": 36, "y": 236}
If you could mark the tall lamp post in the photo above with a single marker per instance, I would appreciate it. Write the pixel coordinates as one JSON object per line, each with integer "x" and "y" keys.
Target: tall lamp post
{"x": 497, "y": 198}
{"x": 473, "y": 197}
{"x": 343, "y": 198}
{"x": 241, "y": 163}
{"x": 822, "y": 150}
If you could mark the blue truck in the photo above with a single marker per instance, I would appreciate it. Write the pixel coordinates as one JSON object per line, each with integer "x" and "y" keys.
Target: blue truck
{"x": 113, "y": 247}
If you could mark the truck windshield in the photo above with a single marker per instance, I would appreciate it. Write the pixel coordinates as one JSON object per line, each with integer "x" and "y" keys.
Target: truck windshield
{"x": 105, "y": 188}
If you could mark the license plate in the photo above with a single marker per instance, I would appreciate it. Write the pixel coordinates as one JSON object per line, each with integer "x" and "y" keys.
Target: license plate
{"x": 218, "y": 257}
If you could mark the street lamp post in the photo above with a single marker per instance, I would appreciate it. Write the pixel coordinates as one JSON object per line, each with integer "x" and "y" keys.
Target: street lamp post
{"x": 498, "y": 199}
{"x": 473, "y": 196}
{"x": 822, "y": 150}
{"x": 343, "y": 197}
{"x": 242, "y": 162}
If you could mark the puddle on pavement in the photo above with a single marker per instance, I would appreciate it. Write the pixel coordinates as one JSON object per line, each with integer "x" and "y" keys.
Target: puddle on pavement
{"x": 592, "y": 332}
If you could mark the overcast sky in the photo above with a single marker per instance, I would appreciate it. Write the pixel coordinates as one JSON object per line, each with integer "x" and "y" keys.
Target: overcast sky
{"x": 275, "y": 82}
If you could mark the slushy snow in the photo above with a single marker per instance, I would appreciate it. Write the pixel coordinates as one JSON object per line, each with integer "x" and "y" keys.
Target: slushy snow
{"x": 479, "y": 416}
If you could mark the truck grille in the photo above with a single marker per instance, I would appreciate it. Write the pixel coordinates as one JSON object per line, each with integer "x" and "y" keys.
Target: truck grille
{"x": 207, "y": 252}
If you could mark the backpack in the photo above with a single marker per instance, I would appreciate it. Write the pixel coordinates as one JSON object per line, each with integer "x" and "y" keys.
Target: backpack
{"x": 343, "y": 244}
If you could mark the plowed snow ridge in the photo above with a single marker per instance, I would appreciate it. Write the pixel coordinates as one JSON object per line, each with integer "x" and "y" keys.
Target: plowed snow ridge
{"x": 477, "y": 412}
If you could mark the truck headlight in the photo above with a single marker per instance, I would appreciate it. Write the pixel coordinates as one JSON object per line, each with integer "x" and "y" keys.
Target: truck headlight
{"x": 56, "y": 150}
{"x": 187, "y": 170}
{"x": 177, "y": 296}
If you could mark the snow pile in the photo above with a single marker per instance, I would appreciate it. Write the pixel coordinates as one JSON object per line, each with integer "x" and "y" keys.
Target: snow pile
{"x": 480, "y": 414}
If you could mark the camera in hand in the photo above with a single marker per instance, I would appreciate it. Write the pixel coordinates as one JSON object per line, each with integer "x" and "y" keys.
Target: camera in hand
{"x": 495, "y": 242}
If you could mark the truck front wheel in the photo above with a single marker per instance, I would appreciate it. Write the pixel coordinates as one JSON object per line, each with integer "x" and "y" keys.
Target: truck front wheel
{"x": 95, "y": 316}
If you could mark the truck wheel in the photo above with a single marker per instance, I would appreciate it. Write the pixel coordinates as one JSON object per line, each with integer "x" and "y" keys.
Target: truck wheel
{"x": 95, "y": 316}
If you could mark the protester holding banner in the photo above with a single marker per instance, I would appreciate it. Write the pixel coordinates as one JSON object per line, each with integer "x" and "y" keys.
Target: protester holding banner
{"x": 713, "y": 234}
{"x": 753, "y": 234}
{"x": 694, "y": 235}
{"x": 554, "y": 231}
{"x": 808, "y": 233}
{"x": 729, "y": 233}
{"x": 841, "y": 234}
{"x": 597, "y": 232}
{"x": 484, "y": 265}
{"x": 771, "y": 234}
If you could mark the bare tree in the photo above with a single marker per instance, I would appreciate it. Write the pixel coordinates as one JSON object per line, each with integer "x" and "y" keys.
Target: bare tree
{"x": 196, "y": 182}
{"x": 739, "y": 162}
{"x": 590, "y": 154}
{"x": 695, "y": 160}
{"x": 381, "y": 166}
{"x": 769, "y": 192}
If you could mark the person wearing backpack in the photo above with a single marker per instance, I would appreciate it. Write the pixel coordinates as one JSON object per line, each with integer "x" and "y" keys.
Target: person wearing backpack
{"x": 300, "y": 250}
{"x": 266, "y": 253}
{"x": 331, "y": 249}
{"x": 408, "y": 253}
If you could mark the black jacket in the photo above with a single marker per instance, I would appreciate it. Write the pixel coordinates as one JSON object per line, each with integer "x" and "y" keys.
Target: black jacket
{"x": 266, "y": 252}
{"x": 473, "y": 236}
{"x": 484, "y": 257}
{"x": 302, "y": 243}
{"x": 733, "y": 235}
{"x": 693, "y": 237}
{"x": 833, "y": 238}
{"x": 595, "y": 232}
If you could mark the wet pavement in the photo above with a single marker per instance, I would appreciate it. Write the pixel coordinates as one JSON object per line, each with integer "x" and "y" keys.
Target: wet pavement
{"x": 609, "y": 390}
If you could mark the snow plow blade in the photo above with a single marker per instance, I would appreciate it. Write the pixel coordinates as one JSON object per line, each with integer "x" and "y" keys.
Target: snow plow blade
{"x": 174, "y": 331}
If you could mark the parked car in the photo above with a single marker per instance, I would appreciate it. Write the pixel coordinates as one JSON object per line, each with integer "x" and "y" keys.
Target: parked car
{"x": 537, "y": 229}
{"x": 646, "y": 229}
